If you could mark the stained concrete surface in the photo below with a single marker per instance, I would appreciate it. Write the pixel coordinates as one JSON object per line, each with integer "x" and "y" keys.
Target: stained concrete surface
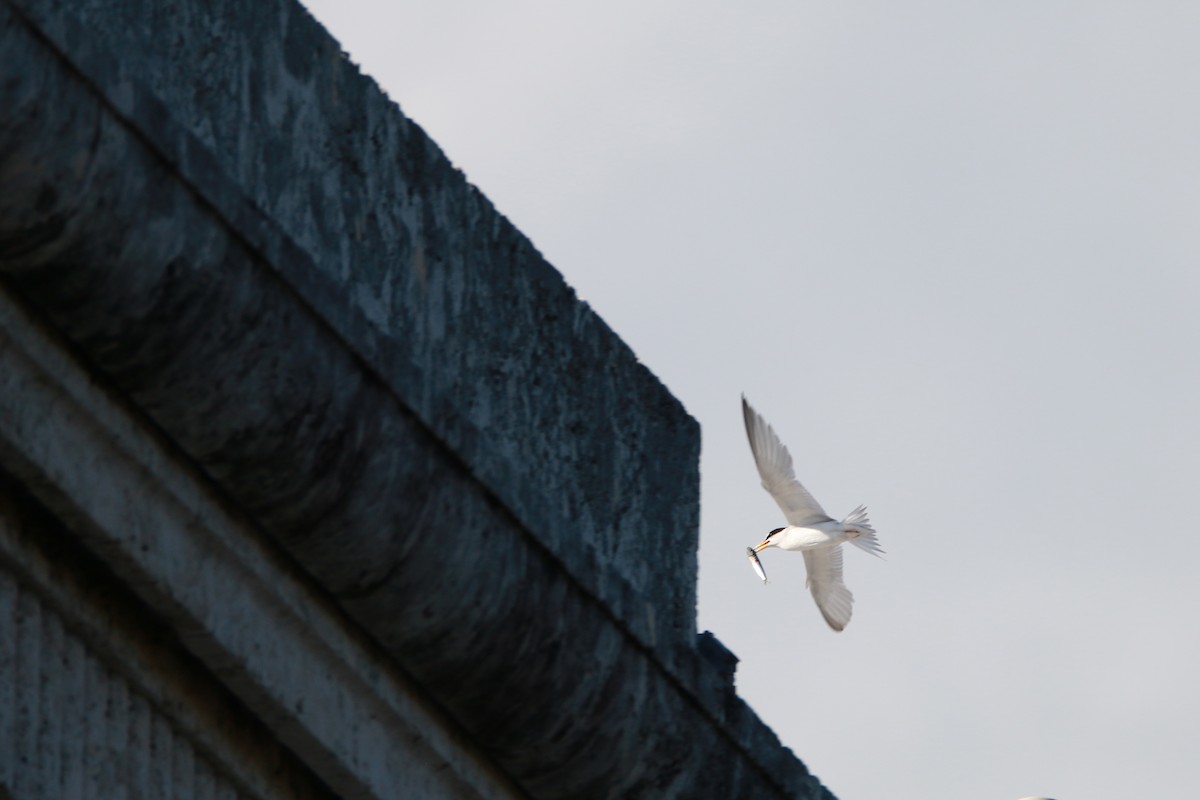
{"x": 244, "y": 237}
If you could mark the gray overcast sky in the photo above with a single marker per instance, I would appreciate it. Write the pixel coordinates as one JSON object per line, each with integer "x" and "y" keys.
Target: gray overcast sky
{"x": 950, "y": 251}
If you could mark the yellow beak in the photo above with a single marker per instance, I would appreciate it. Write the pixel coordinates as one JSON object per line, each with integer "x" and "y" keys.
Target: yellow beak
{"x": 763, "y": 545}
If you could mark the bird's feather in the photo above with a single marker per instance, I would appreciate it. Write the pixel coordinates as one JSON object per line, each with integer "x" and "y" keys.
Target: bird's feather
{"x": 866, "y": 539}
{"x": 778, "y": 477}
{"x": 825, "y": 582}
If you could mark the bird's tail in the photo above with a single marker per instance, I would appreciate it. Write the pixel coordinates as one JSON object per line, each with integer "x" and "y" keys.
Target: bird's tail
{"x": 862, "y": 535}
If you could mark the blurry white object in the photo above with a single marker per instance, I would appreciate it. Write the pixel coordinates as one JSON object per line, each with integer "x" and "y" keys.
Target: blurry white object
{"x": 756, "y": 563}
{"x": 809, "y": 529}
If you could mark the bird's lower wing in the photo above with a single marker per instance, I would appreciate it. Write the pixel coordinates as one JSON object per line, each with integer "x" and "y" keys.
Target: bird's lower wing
{"x": 825, "y": 582}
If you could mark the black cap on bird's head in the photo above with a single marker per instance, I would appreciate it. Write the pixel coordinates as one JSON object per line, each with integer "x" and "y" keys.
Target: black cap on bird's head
{"x": 765, "y": 543}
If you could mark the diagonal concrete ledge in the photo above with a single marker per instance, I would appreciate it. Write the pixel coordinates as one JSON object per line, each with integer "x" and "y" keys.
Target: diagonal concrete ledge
{"x": 479, "y": 316}
{"x": 365, "y": 728}
{"x": 304, "y": 304}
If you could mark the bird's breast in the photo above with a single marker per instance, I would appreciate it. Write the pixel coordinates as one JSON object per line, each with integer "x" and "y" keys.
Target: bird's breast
{"x": 797, "y": 538}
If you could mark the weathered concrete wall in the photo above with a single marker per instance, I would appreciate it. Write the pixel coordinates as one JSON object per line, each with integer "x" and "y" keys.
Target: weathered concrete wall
{"x": 496, "y": 355}
{"x": 143, "y": 558}
{"x": 297, "y": 295}
{"x": 97, "y": 703}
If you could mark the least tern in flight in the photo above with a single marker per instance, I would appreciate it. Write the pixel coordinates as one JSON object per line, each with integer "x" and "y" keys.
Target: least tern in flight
{"x": 809, "y": 530}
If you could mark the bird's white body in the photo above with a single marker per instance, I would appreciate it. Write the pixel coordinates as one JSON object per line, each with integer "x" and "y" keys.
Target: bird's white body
{"x": 821, "y": 534}
{"x": 809, "y": 530}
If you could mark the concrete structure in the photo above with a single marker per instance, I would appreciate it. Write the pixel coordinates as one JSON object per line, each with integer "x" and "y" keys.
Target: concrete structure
{"x": 316, "y": 480}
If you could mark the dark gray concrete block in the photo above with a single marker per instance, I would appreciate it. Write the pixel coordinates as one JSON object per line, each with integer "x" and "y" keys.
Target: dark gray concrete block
{"x": 240, "y": 235}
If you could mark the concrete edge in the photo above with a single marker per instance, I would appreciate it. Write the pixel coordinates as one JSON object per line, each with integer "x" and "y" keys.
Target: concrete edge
{"x": 213, "y": 576}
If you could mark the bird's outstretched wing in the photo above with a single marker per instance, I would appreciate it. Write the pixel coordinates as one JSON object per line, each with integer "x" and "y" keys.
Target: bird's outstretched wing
{"x": 825, "y": 582}
{"x": 775, "y": 468}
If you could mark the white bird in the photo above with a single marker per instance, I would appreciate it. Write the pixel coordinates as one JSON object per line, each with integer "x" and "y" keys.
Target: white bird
{"x": 809, "y": 529}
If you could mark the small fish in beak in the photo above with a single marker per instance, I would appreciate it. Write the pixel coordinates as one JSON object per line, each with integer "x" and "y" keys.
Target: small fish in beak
{"x": 754, "y": 562}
